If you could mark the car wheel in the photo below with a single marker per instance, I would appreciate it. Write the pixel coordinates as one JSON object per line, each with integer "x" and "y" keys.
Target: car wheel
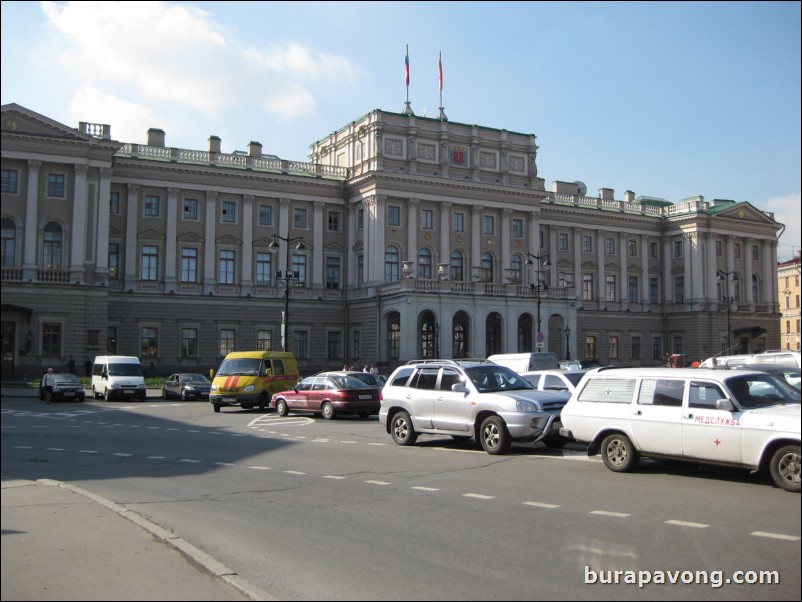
{"x": 555, "y": 442}
{"x": 785, "y": 468}
{"x": 281, "y": 408}
{"x": 95, "y": 394}
{"x": 262, "y": 402}
{"x": 107, "y": 395}
{"x": 216, "y": 407}
{"x": 495, "y": 437}
{"x": 184, "y": 396}
{"x": 164, "y": 393}
{"x": 402, "y": 430}
{"x": 618, "y": 453}
{"x": 327, "y": 411}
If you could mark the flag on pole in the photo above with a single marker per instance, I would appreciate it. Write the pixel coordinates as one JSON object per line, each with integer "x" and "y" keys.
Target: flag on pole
{"x": 406, "y": 63}
{"x": 440, "y": 65}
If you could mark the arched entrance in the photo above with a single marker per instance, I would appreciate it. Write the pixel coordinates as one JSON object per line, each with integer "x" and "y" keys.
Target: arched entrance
{"x": 460, "y": 335}
{"x": 493, "y": 329}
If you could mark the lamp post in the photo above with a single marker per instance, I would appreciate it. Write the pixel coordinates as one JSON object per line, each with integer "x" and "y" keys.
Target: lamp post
{"x": 538, "y": 286}
{"x": 286, "y": 278}
{"x": 786, "y": 313}
{"x": 567, "y": 344}
{"x": 721, "y": 275}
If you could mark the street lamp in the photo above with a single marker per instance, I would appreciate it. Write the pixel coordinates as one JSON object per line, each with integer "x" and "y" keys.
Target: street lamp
{"x": 538, "y": 286}
{"x": 286, "y": 278}
{"x": 721, "y": 275}
{"x": 567, "y": 344}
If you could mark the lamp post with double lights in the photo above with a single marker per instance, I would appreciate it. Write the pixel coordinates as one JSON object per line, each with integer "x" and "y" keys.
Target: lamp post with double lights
{"x": 567, "y": 344}
{"x": 286, "y": 278}
{"x": 721, "y": 275}
{"x": 538, "y": 287}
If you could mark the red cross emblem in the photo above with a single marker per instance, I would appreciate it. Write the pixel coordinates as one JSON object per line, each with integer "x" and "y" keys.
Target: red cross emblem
{"x": 717, "y": 441}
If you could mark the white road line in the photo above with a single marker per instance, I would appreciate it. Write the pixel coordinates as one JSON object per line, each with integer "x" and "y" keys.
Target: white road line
{"x": 122, "y": 455}
{"x": 297, "y": 472}
{"x": 88, "y": 451}
{"x": 377, "y": 482}
{"x": 189, "y": 461}
{"x": 607, "y": 513}
{"x": 224, "y": 464}
{"x": 55, "y": 449}
{"x": 541, "y": 505}
{"x": 23, "y": 447}
{"x": 775, "y": 536}
{"x": 478, "y": 496}
{"x": 321, "y": 440}
{"x": 420, "y": 488}
{"x": 260, "y": 467}
{"x": 332, "y": 476}
{"x": 683, "y": 523}
{"x": 155, "y": 457}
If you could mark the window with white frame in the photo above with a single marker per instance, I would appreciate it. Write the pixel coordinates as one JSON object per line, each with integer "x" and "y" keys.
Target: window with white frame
{"x": 335, "y": 221}
{"x": 189, "y": 343}
{"x": 299, "y": 218}
{"x": 488, "y": 224}
{"x": 517, "y": 228}
{"x": 151, "y": 207}
{"x": 114, "y": 203}
{"x": 264, "y": 340}
{"x": 189, "y": 264}
{"x": 563, "y": 241}
{"x": 611, "y": 292}
{"x": 51, "y": 339}
{"x": 55, "y": 185}
{"x": 587, "y": 287}
{"x": 225, "y": 266}
{"x": 298, "y": 265}
{"x": 190, "y": 209}
{"x": 609, "y": 244}
{"x": 426, "y": 219}
{"x": 226, "y": 341}
{"x": 333, "y": 272}
{"x": 334, "y": 345}
{"x": 264, "y": 269}
{"x": 149, "y": 265}
{"x": 52, "y": 246}
{"x": 149, "y": 342}
{"x": 587, "y": 243}
{"x": 458, "y": 221}
{"x": 265, "y": 215}
{"x": 229, "y": 214}
{"x": 393, "y": 216}
{"x": 10, "y": 181}
{"x": 425, "y": 264}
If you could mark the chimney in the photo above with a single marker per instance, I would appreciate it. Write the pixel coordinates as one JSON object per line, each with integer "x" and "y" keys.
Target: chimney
{"x": 156, "y": 137}
{"x": 255, "y": 149}
{"x": 214, "y": 144}
{"x": 629, "y": 196}
{"x": 606, "y": 194}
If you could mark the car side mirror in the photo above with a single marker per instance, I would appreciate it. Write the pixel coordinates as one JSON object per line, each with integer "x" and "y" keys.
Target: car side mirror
{"x": 459, "y": 388}
{"x": 725, "y": 404}
{"x": 211, "y": 373}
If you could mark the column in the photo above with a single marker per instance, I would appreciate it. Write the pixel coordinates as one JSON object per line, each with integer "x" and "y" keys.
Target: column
{"x": 747, "y": 283}
{"x": 554, "y": 270}
{"x": 131, "y": 224}
{"x": 247, "y": 244}
{"x": 644, "y": 254}
{"x": 377, "y": 261}
{"x": 668, "y": 290}
{"x": 600, "y": 250}
{"x": 689, "y": 274}
{"x": 209, "y": 243}
{"x": 623, "y": 286}
{"x": 31, "y": 221}
{"x": 445, "y": 244}
{"x": 171, "y": 241}
{"x": 769, "y": 292}
{"x": 317, "y": 249}
{"x": 102, "y": 234}
{"x": 79, "y": 217}
{"x": 711, "y": 292}
{"x": 578, "y": 263}
{"x": 412, "y": 231}
{"x": 506, "y": 244}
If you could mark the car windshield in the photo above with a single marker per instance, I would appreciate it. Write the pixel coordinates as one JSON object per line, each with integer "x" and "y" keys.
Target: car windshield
{"x": 760, "y": 390}
{"x": 350, "y": 382}
{"x": 494, "y": 378}
{"x": 240, "y": 367}
{"x": 125, "y": 370}
{"x": 367, "y": 377}
{"x": 195, "y": 378}
{"x": 66, "y": 379}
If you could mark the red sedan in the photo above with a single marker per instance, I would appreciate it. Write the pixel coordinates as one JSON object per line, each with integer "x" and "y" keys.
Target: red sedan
{"x": 329, "y": 394}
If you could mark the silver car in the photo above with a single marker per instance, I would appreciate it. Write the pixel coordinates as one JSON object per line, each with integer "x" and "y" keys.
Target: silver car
{"x": 469, "y": 400}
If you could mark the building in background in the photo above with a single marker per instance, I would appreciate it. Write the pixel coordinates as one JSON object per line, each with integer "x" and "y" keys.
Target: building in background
{"x": 402, "y": 237}
{"x": 788, "y": 287}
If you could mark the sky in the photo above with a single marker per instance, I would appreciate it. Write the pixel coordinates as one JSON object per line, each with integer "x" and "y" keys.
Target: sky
{"x": 666, "y": 99}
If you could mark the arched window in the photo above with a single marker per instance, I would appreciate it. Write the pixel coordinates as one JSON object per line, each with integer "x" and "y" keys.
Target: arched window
{"x": 51, "y": 250}
{"x": 487, "y": 267}
{"x": 392, "y": 262}
{"x": 393, "y": 336}
{"x": 425, "y": 264}
{"x": 456, "y": 271}
{"x": 428, "y": 342}
{"x": 9, "y": 243}
{"x": 460, "y": 345}
{"x": 517, "y": 265}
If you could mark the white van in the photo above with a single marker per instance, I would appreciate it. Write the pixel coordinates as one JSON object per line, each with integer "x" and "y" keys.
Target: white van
{"x": 526, "y": 362}
{"x": 116, "y": 376}
{"x": 739, "y": 418}
{"x": 770, "y": 358}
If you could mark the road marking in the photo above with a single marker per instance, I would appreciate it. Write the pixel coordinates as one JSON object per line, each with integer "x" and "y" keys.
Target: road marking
{"x": 155, "y": 457}
{"x": 332, "y": 476}
{"x": 189, "y": 461}
{"x": 682, "y": 523}
{"x": 88, "y": 451}
{"x": 122, "y": 455}
{"x": 55, "y": 449}
{"x": 297, "y": 472}
{"x": 607, "y": 513}
{"x": 775, "y": 536}
{"x": 541, "y": 505}
{"x": 224, "y": 464}
{"x": 479, "y": 496}
{"x": 377, "y": 482}
{"x": 420, "y": 488}
{"x": 260, "y": 467}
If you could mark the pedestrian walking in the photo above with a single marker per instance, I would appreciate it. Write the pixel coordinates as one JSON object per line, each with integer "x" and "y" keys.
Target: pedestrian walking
{"x": 70, "y": 365}
{"x": 49, "y": 381}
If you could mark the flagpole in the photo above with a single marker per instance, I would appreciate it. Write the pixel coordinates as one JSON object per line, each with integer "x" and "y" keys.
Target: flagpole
{"x": 442, "y": 114}
{"x": 407, "y": 106}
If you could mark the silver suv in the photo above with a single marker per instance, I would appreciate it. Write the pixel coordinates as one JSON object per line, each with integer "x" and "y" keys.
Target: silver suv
{"x": 473, "y": 399}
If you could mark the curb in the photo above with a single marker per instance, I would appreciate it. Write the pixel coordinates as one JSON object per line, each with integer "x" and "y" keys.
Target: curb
{"x": 195, "y": 555}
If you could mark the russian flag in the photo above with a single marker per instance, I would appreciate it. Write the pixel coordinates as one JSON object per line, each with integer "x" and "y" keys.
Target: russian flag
{"x": 406, "y": 62}
{"x": 440, "y": 65}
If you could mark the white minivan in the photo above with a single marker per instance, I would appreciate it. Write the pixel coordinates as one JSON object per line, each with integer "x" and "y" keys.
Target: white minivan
{"x": 117, "y": 376}
{"x": 739, "y": 418}
{"x": 526, "y": 362}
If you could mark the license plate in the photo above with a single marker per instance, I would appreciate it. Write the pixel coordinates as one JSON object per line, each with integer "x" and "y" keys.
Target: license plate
{"x": 229, "y": 399}
{"x": 128, "y": 392}
{"x": 366, "y": 397}
{"x": 69, "y": 394}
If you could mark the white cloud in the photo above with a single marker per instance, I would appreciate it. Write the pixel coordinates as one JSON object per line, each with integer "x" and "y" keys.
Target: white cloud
{"x": 177, "y": 54}
{"x": 129, "y": 121}
{"x": 786, "y": 211}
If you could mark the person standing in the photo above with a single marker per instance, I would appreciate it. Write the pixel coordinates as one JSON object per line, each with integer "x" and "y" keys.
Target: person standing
{"x": 49, "y": 381}
{"x": 71, "y": 366}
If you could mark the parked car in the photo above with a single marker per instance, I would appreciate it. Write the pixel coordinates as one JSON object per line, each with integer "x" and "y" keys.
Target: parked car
{"x": 580, "y": 364}
{"x": 790, "y": 374}
{"x": 555, "y": 380}
{"x": 474, "y": 399}
{"x": 66, "y": 387}
{"x": 366, "y": 377}
{"x": 739, "y": 418}
{"x": 186, "y": 385}
{"x": 329, "y": 394}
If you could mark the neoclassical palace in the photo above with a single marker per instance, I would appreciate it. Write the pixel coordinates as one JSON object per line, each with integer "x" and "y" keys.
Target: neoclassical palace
{"x": 402, "y": 237}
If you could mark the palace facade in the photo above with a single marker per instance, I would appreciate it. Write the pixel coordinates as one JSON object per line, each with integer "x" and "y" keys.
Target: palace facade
{"x": 402, "y": 237}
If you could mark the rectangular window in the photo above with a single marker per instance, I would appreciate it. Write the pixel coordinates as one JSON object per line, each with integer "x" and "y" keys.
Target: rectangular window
{"x": 114, "y": 203}
{"x": 632, "y": 248}
{"x": 332, "y": 272}
{"x": 654, "y": 290}
{"x": 299, "y": 218}
{"x": 150, "y": 342}
{"x": 300, "y": 344}
{"x": 360, "y": 269}
{"x": 635, "y": 348}
{"x": 678, "y": 346}
{"x": 563, "y": 241}
{"x": 632, "y": 288}
{"x": 755, "y": 253}
{"x": 334, "y": 221}
{"x": 190, "y": 209}
{"x": 299, "y": 267}
{"x": 488, "y": 225}
{"x": 334, "y": 345}
{"x": 657, "y": 348}
{"x": 609, "y": 245}
{"x": 189, "y": 342}
{"x": 265, "y": 215}
{"x": 611, "y": 293}
{"x": 393, "y": 216}
{"x": 654, "y": 250}
{"x": 518, "y": 228}
{"x": 679, "y": 289}
{"x": 360, "y": 219}
{"x": 737, "y": 249}
{"x": 92, "y": 338}
{"x": 229, "y": 215}
{"x": 264, "y": 340}
{"x": 426, "y": 219}
{"x": 55, "y": 185}
{"x": 151, "y": 205}
{"x": 114, "y": 260}
{"x": 587, "y": 287}
{"x": 225, "y": 271}
{"x": 613, "y": 347}
{"x": 458, "y": 222}
{"x": 51, "y": 339}
{"x": 677, "y": 248}
{"x": 227, "y": 341}
{"x": 10, "y": 179}
{"x": 150, "y": 263}
{"x": 718, "y": 248}
{"x": 264, "y": 269}
{"x": 189, "y": 265}
{"x": 111, "y": 340}
{"x": 590, "y": 347}
{"x": 587, "y": 244}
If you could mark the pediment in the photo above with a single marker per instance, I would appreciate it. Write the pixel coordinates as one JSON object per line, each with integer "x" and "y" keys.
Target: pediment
{"x": 745, "y": 212}
{"x": 334, "y": 248}
{"x": 18, "y": 120}
{"x": 358, "y": 246}
{"x": 228, "y": 239}
{"x": 634, "y": 269}
{"x": 115, "y": 233}
{"x": 150, "y": 235}
{"x": 564, "y": 264}
{"x": 612, "y": 267}
{"x": 263, "y": 242}
{"x": 190, "y": 237}
{"x": 589, "y": 266}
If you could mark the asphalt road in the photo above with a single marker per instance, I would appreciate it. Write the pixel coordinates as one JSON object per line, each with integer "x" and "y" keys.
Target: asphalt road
{"x": 311, "y": 509}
